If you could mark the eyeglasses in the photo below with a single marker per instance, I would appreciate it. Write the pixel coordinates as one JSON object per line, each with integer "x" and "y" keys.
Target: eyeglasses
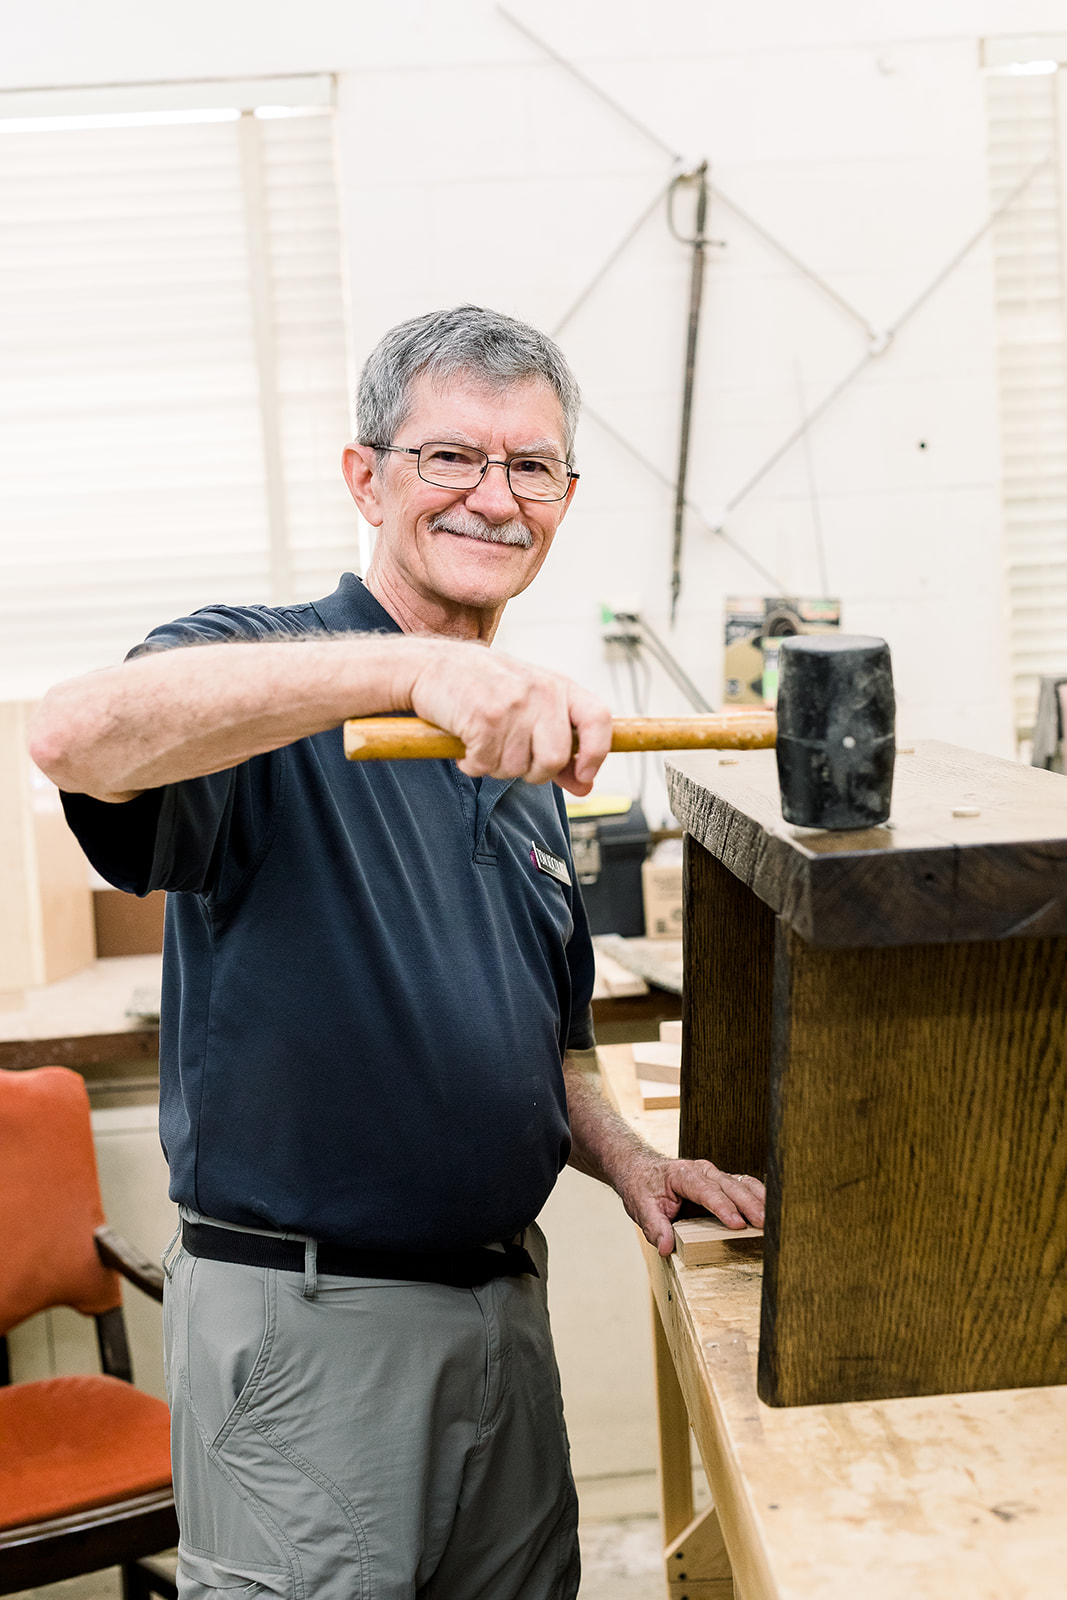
{"x": 460, "y": 466}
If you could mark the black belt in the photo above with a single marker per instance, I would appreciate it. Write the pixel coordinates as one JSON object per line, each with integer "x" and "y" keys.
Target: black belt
{"x": 459, "y": 1269}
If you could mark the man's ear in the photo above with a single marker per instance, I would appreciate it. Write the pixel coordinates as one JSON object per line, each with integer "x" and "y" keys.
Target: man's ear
{"x": 568, "y": 497}
{"x": 359, "y": 465}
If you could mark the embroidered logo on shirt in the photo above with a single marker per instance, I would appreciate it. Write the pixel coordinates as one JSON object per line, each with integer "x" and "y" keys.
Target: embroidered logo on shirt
{"x": 545, "y": 861}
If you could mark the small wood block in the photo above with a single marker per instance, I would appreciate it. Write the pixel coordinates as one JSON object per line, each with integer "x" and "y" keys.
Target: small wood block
{"x": 659, "y": 1096}
{"x": 614, "y": 979}
{"x": 662, "y": 1062}
{"x": 699, "y": 1241}
{"x": 670, "y": 1032}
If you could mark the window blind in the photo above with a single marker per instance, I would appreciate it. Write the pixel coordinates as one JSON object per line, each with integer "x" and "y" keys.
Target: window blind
{"x": 174, "y": 391}
{"x": 1026, "y": 143}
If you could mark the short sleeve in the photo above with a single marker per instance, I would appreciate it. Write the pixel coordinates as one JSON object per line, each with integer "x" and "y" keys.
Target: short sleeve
{"x": 119, "y": 840}
{"x": 171, "y": 838}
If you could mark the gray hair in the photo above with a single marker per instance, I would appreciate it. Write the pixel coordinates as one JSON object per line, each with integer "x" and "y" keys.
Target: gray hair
{"x": 494, "y": 349}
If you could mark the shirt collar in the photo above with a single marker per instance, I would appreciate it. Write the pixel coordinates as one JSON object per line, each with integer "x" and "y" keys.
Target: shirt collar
{"x": 353, "y": 609}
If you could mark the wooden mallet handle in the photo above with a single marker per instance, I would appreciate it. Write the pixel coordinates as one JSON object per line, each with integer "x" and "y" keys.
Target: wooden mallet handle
{"x": 409, "y": 738}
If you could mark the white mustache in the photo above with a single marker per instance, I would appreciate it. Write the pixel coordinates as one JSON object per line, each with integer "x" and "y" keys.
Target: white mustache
{"x": 472, "y": 527}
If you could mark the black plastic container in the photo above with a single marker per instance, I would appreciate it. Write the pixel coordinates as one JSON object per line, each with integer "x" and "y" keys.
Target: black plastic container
{"x": 608, "y": 855}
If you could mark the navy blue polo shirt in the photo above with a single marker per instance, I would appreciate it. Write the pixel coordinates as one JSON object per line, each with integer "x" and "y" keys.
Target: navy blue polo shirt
{"x": 368, "y": 982}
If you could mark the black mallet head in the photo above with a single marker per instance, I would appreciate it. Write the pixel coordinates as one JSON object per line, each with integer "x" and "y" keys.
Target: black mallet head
{"x": 836, "y": 741}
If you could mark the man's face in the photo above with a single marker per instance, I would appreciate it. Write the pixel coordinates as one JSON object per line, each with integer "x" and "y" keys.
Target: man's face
{"x": 468, "y": 548}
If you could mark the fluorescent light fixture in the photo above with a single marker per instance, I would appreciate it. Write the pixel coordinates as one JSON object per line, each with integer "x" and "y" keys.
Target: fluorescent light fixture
{"x": 1031, "y": 69}
{"x": 269, "y": 113}
{"x": 118, "y": 119}
{"x": 145, "y": 104}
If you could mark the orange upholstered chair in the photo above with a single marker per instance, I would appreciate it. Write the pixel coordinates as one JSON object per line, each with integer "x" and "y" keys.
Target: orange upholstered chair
{"x": 84, "y": 1461}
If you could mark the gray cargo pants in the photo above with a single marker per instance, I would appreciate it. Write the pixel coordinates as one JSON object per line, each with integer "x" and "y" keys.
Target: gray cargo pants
{"x": 368, "y": 1440}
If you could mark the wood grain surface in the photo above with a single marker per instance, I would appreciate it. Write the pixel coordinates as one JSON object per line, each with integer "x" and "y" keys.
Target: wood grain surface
{"x": 917, "y": 1188}
{"x": 930, "y": 1498}
{"x": 957, "y": 1497}
{"x": 726, "y": 1017}
{"x": 927, "y": 877}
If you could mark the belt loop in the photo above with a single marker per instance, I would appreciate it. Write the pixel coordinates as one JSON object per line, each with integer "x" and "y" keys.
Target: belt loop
{"x": 311, "y": 1269}
{"x": 167, "y": 1265}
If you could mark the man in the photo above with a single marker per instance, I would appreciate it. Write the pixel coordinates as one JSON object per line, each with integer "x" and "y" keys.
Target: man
{"x": 375, "y": 979}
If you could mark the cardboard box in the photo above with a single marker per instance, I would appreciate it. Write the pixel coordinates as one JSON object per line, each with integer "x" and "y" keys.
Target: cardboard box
{"x": 127, "y": 925}
{"x": 662, "y": 888}
{"x": 755, "y": 627}
{"x": 46, "y": 926}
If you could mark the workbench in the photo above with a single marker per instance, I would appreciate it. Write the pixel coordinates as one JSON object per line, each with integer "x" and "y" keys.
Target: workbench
{"x": 85, "y": 1021}
{"x": 947, "y": 1497}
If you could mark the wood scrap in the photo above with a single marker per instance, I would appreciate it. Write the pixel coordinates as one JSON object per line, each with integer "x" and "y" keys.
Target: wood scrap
{"x": 661, "y": 1062}
{"x": 702, "y": 1241}
{"x": 657, "y": 961}
{"x": 657, "y": 1096}
{"x": 613, "y": 980}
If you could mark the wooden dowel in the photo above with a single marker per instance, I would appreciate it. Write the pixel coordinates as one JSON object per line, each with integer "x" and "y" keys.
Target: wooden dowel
{"x": 409, "y": 738}
{"x": 750, "y": 730}
{"x": 398, "y": 739}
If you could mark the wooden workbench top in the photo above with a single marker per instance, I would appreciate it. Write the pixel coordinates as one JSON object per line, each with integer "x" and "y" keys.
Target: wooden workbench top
{"x": 83, "y": 1020}
{"x": 935, "y": 1498}
{"x": 975, "y": 848}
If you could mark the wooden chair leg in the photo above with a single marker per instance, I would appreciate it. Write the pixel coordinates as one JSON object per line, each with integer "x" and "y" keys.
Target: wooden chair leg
{"x": 141, "y": 1583}
{"x": 133, "y": 1583}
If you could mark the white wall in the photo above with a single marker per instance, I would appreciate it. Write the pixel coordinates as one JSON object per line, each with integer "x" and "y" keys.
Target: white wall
{"x": 475, "y": 167}
{"x": 866, "y": 157}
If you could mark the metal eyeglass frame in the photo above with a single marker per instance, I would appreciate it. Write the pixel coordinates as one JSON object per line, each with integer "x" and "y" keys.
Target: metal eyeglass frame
{"x": 551, "y": 500}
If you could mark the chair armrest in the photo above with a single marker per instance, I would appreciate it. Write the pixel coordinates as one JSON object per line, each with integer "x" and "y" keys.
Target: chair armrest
{"x": 117, "y": 1252}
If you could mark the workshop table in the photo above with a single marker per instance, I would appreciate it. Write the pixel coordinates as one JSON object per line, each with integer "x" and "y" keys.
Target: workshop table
{"x": 946, "y": 1497}
{"x": 86, "y": 1021}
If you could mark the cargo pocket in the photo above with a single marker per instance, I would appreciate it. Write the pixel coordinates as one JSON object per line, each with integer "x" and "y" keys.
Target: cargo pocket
{"x": 200, "y": 1575}
{"x": 226, "y": 1341}
{"x": 221, "y": 1330}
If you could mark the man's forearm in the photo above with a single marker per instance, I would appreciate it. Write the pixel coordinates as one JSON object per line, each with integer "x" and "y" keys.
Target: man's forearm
{"x": 651, "y": 1186}
{"x": 603, "y": 1145}
{"x": 186, "y": 712}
